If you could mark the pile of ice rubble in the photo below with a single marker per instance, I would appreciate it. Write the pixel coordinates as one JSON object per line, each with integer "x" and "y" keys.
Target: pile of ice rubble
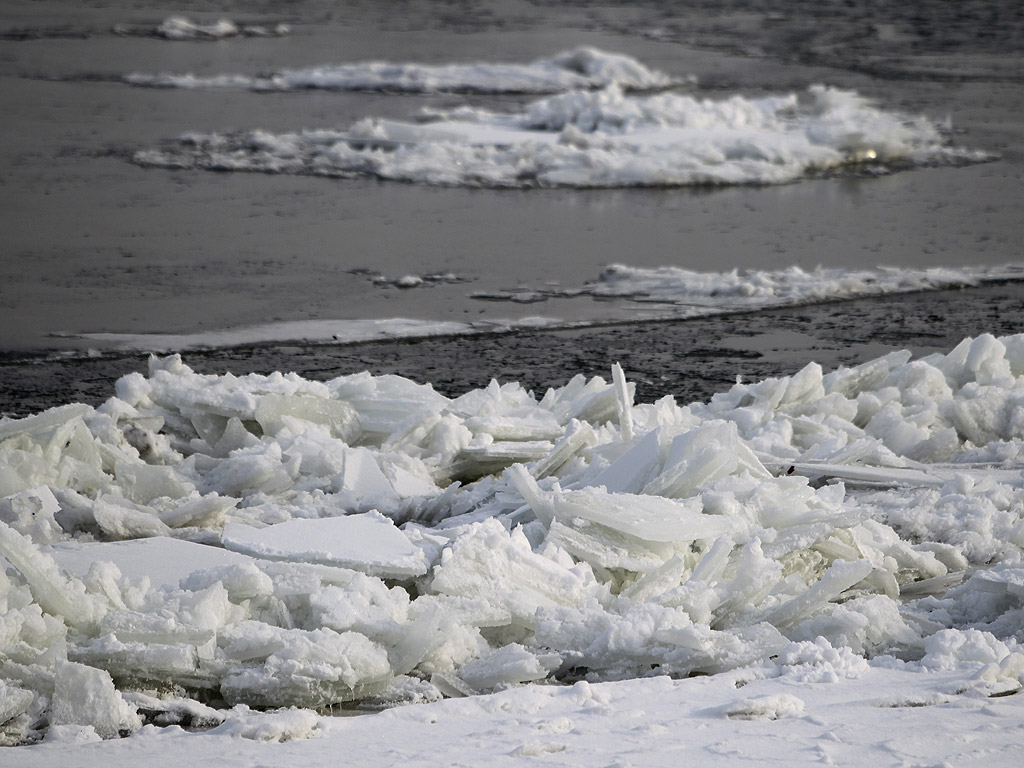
{"x": 199, "y": 545}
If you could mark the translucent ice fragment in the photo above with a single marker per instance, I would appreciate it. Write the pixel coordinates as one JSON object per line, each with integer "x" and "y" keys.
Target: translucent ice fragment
{"x": 56, "y": 594}
{"x": 310, "y": 669}
{"x": 508, "y": 665}
{"x": 119, "y": 519}
{"x": 624, "y": 402}
{"x": 490, "y": 563}
{"x": 142, "y": 483}
{"x": 340, "y": 417}
{"x": 635, "y": 468}
{"x": 204, "y": 511}
{"x": 651, "y": 518}
{"x": 837, "y": 579}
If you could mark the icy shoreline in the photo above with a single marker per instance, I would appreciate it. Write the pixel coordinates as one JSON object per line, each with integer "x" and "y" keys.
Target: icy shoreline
{"x": 871, "y": 512}
{"x": 645, "y": 294}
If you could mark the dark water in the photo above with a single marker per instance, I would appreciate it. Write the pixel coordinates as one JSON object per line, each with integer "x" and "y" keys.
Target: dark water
{"x": 92, "y": 243}
{"x": 689, "y": 360}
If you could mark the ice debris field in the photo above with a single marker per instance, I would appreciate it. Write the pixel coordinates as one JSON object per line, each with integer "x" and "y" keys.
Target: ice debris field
{"x": 201, "y": 548}
{"x": 595, "y": 131}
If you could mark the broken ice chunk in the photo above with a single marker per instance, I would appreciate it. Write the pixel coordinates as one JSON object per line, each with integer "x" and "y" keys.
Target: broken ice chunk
{"x": 164, "y": 561}
{"x": 308, "y": 669}
{"x": 274, "y": 411}
{"x": 577, "y": 437}
{"x": 837, "y": 579}
{"x": 119, "y": 519}
{"x": 86, "y": 696}
{"x": 56, "y": 594}
{"x": 488, "y": 562}
{"x": 635, "y": 468}
{"x": 651, "y": 518}
{"x": 508, "y": 665}
{"x": 368, "y": 542}
{"x": 31, "y": 513}
{"x": 142, "y": 483}
{"x": 624, "y": 402}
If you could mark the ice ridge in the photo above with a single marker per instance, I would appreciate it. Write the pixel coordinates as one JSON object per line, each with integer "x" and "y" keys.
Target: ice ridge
{"x": 387, "y": 544}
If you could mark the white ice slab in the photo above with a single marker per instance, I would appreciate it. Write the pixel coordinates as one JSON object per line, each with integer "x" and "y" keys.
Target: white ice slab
{"x": 164, "y": 560}
{"x": 370, "y": 543}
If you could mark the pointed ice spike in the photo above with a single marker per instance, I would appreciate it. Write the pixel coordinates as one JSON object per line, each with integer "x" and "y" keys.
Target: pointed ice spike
{"x": 531, "y": 493}
{"x": 624, "y": 400}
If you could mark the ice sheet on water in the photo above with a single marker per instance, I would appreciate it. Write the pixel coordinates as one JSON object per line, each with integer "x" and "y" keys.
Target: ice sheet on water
{"x": 472, "y": 543}
{"x": 754, "y": 288}
{"x": 604, "y": 138}
{"x": 671, "y": 292}
{"x": 579, "y": 68}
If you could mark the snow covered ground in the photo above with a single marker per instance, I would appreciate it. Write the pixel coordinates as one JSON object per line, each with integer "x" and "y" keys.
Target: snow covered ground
{"x": 789, "y": 566}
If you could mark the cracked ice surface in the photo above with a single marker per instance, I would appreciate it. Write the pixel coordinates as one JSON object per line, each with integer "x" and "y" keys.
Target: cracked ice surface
{"x": 368, "y": 541}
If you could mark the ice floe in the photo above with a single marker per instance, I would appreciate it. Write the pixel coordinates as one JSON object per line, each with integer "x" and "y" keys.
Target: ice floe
{"x": 199, "y": 545}
{"x": 177, "y": 28}
{"x": 580, "y": 68}
{"x": 594, "y": 138}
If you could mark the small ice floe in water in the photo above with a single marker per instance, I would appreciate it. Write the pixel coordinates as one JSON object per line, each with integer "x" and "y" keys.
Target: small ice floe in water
{"x": 579, "y": 68}
{"x": 182, "y": 28}
{"x": 269, "y": 541}
{"x": 704, "y": 293}
{"x": 603, "y": 138}
{"x": 415, "y": 281}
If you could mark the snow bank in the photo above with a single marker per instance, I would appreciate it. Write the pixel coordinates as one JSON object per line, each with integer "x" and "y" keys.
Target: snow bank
{"x": 391, "y": 545}
{"x": 586, "y": 138}
{"x": 580, "y": 68}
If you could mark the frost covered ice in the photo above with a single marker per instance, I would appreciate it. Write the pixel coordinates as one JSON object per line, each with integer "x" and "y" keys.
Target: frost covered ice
{"x": 199, "y": 546}
{"x": 580, "y": 68}
{"x": 594, "y": 138}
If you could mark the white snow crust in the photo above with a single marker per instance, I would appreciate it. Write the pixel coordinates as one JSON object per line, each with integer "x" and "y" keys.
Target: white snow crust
{"x": 844, "y": 546}
{"x": 667, "y": 291}
{"x": 580, "y": 68}
{"x": 594, "y": 138}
